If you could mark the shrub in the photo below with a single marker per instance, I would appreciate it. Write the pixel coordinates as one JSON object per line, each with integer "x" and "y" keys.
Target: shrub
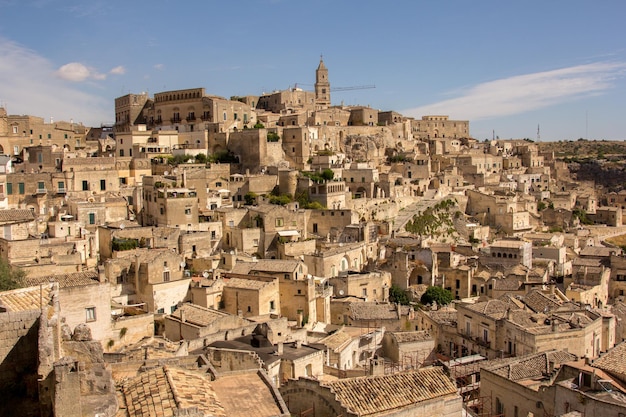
{"x": 398, "y": 295}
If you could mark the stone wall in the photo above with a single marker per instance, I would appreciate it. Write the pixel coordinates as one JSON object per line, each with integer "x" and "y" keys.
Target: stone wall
{"x": 18, "y": 351}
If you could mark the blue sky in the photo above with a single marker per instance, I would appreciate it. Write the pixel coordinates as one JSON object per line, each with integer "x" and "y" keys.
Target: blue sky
{"x": 507, "y": 66}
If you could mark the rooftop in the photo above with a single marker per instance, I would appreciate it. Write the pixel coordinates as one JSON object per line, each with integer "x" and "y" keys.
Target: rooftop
{"x": 378, "y": 394}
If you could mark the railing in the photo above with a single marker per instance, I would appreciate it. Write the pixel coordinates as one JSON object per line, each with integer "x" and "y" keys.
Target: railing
{"x": 61, "y": 191}
{"x": 175, "y": 119}
{"x": 42, "y": 191}
{"x": 190, "y": 118}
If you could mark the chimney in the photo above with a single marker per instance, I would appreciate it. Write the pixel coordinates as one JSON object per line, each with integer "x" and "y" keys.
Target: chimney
{"x": 182, "y": 316}
{"x": 101, "y": 275}
{"x": 280, "y": 348}
{"x": 298, "y": 344}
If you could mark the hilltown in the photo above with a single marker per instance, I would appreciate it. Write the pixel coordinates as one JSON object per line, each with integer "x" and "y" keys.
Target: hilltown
{"x": 277, "y": 255}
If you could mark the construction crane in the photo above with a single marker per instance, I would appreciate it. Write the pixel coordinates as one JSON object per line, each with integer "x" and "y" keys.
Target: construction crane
{"x": 355, "y": 87}
{"x": 336, "y": 89}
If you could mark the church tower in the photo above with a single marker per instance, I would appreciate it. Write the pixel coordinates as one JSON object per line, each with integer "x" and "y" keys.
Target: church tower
{"x": 322, "y": 87}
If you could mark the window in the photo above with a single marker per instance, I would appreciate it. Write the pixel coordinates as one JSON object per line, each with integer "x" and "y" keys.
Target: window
{"x": 20, "y": 187}
{"x": 279, "y": 222}
{"x": 188, "y": 211}
{"x": 287, "y": 276}
{"x": 92, "y": 218}
{"x": 9, "y": 188}
{"x": 14, "y": 129}
{"x": 121, "y": 152}
{"x": 314, "y": 227}
{"x": 90, "y": 314}
{"x": 364, "y": 291}
{"x": 85, "y": 185}
{"x": 272, "y": 306}
{"x": 166, "y": 276}
{"x": 41, "y": 185}
{"x": 103, "y": 185}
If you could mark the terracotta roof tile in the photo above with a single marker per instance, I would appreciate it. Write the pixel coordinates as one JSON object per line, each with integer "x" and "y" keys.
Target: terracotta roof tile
{"x": 377, "y": 394}
{"x": 614, "y": 361}
{"x": 23, "y": 299}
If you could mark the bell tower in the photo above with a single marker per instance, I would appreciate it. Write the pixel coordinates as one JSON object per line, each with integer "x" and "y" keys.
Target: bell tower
{"x": 322, "y": 87}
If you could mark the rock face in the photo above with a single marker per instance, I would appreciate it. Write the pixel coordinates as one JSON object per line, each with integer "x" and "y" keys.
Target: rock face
{"x": 66, "y": 333}
{"x": 82, "y": 333}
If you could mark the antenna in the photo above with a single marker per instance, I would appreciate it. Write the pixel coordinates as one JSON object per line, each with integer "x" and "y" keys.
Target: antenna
{"x": 538, "y": 134}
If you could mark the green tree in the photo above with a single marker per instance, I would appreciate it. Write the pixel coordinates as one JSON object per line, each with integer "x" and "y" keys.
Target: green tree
{"x": 398, "y": 295}
{"x": 259, "y": 125}
{"x": 10, "y": 278}
{"x": 328, "y": 174}
{"x": 250, "y": 198}
{"x": 438, "y": 294}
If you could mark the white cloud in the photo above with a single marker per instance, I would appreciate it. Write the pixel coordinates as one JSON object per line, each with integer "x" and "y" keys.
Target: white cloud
{"x": 30, "y": 85}
{"x": 119, "y": 70}
{"x": 77, "y": 72}
{"x": 528, "y": 92}
{"x": 159, "y": 66}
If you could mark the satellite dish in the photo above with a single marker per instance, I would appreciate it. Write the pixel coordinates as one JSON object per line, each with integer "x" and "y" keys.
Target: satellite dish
{"x": 122, "y": 226}
{"x": 341, "y": 292}
{"x": 205, "y": 274}
{"x": 309, "y": 276}
{"x": 183, "y": 264}
{"x": 165, "y": 172}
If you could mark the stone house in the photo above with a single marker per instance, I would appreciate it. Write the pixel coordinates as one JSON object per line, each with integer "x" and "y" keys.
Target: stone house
{"x": 170, "y": 205}
{"x": 283, "y": 361}
{"x": 336, "y": 260}
{"x": 159, "y": 279}
{"x": 423, "y": 392}
{"x": 552, "y": 383}
{"x": 81, "y": 300}
{"x": 250, "y": 296}
{"x": 521, "y": 385}
{"x": 371, "y": 286}
{"x": 296, "y": 287}
{"x": 611, "y": 216}
{"x": 193, "y": 322}
{"x": 17, "y": 224}
{"x": 277, "y": 222}
{"x": 355, "y": 312}
{"x": 342, "y": 349}
{"x": 412, "y": 349}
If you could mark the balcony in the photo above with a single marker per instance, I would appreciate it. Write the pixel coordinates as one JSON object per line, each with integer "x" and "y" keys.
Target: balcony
{"x": 482, "y": 342}
{"x": 205, "y": 117}
{"x": 61, "y": 191}
{"x": 175, "y": 120}
{"x": 41, "y": 191}
{"x": 190, "y": 118}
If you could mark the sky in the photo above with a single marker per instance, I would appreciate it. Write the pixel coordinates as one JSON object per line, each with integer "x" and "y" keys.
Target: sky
{"x": 537, "y": 69}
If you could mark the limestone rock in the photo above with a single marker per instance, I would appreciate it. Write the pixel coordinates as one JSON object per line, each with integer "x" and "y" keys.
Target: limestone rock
{"x": 66, "y": 333}
{"x": 82, "y": 333}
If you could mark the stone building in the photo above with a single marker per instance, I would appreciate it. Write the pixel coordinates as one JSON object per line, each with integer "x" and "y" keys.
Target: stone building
{"x": 424, "y": 392}
{"x": 20, "y": 131}
{"x": 253, "y": 297}
{"x": 412, "y": 349}
{"x": 432, "y": 127}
